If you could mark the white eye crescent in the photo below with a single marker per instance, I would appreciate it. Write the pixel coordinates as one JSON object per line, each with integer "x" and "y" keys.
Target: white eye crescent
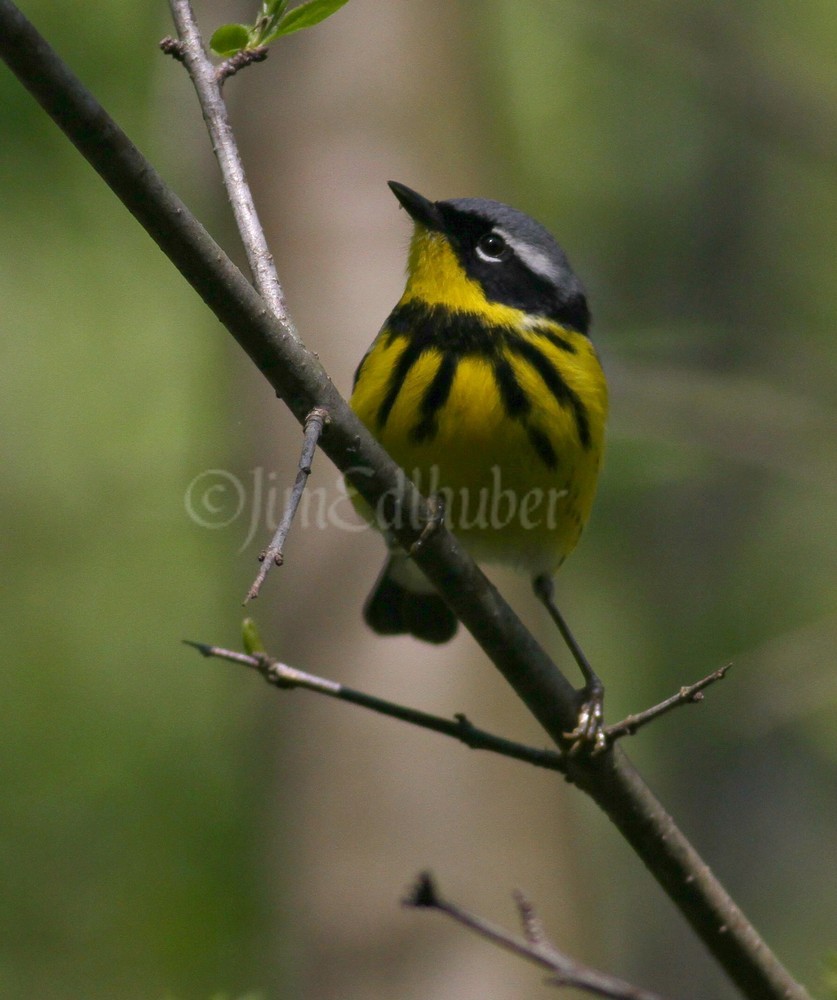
{"x": 499, "y": 245}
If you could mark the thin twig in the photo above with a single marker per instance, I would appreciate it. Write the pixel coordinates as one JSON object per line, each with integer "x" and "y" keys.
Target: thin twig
{"x": 565, "y": 971}
{"x": 460, "y": 727}
{"x": 689, "y": 695}
{"x": 229, "y": 67}
{"x": 273, "y": 555}
{"x": 207, "y": 82}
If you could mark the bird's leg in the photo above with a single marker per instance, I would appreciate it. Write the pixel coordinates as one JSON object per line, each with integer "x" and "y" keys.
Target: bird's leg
{"x": 588, "y": 730}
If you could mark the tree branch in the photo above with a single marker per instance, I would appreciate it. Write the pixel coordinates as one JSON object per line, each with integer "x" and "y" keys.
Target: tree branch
{"x": 565, "y": 971}
{"x": 229, "y": 67}
{"x": 208, "y": 83}
{"x": 460, "y": 727}
{"x": 273, "y": 555}
{"x": 691, "y": 694}
{"x": 302, "y": 383}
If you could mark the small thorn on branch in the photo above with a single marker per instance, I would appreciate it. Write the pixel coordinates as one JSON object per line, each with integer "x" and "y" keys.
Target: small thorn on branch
{"x": 273, "y": 555}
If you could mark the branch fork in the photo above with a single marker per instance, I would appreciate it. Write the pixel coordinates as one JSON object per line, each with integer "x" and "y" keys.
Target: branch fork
{"x": 460, "y": 727}
{"x": 534, "y": 945}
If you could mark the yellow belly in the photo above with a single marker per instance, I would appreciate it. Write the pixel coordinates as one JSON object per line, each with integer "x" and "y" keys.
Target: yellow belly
{"x": 501, "y": 498}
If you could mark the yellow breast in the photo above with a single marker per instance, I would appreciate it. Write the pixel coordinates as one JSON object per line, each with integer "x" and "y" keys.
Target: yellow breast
{"x": 510, "y": 433}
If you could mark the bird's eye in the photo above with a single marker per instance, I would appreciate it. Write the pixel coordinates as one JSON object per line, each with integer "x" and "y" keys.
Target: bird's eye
{"x": 492, "y": 247}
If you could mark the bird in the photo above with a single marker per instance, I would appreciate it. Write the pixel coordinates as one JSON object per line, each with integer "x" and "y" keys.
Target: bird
{"x": 485, "y": 388}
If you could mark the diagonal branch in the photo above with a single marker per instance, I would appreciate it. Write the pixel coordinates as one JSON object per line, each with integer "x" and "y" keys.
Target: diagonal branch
{"x": 300, "y": 380}
{"x": 534, "y": 946}
{"x": 460, "y": 727}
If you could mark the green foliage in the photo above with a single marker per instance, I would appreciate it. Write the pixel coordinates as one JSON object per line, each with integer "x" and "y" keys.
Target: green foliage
{"x": 226, "y": 996}
{"x": 307, "y": 15}
{"x": 274, "y": 20}
{"x": 830, "y": 974}
{"x": 250, "y": 637}
{"x": 230, "y": 39}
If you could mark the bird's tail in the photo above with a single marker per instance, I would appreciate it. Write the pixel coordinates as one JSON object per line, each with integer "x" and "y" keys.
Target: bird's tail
{"x": 403, "y": 602}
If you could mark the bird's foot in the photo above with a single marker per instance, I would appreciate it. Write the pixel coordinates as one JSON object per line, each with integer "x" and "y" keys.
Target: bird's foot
{"x": 589, "y": 735}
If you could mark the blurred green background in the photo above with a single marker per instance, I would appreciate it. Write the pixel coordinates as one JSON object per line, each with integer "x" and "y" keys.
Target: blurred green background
{"x": 172, "y": 828}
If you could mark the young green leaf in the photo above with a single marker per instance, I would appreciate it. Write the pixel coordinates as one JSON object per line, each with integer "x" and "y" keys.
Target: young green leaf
{"x": 229, "y": 39}
{"x": 269, "y": 17}
{"x": 306, "y": 15}
{"x": 253, "y": 644}
{"x": 273, "y": 8}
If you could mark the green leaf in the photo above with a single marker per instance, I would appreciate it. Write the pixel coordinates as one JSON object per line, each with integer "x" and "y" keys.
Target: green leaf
{"x": 274, "y": 8}
{"x": 269, "y": 17}
{"x": 229, "y": 39}
{"x": 251, "y": 639}
{"x": 306, "y": 15}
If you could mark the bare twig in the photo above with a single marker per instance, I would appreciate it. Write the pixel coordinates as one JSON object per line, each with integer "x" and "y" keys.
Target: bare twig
{"x": 273, "y": 555}
{"x": 229, "y": 67}
{"x": 460, "y": 727}
{"x": 689, "y": 695}
{"x": 207, "y": 82}
{"x": 565, "y": 971}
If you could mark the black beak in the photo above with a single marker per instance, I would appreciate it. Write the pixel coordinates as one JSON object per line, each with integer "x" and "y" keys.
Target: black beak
{"x": 418, "y": 207}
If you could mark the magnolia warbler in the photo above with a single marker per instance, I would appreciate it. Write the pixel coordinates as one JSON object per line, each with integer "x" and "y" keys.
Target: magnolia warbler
{"x": 485, "y": 389}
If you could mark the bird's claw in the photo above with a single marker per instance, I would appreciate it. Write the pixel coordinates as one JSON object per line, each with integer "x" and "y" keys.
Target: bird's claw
{"x": 589, "y": 734}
